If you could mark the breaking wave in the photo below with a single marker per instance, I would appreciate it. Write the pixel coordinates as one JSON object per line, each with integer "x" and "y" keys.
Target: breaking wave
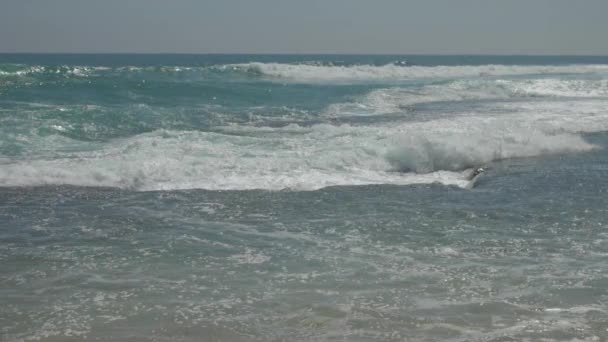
{"x": 16, "y": 70}
{"x": 308, "y": 72}
{"x": 305, "y": 72}
{"x": 204, "y": 145}
{"x": 300, "y": 158}
{"x": 396, "y": 99}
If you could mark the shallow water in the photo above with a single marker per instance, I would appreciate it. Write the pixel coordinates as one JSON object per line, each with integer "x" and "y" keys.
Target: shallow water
{"x": 241, "y": 198}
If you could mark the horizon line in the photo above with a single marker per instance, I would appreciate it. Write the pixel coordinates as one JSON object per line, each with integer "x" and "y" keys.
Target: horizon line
{"x": 303, "y": 54}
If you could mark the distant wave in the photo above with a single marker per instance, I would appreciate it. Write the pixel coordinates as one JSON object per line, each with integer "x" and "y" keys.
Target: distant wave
{"x": 25, "y": 70}
{"x": 308, "y": 72}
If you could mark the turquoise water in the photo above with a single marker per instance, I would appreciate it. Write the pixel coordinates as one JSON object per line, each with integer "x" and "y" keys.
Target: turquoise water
{"x": 303, "y": 198}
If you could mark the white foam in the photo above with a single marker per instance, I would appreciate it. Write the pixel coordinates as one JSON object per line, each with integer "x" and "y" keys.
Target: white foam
{"x": 308, "y": 72}
{"x": 250, "y": 256}
{"x": 557, "y": 87}
{"x": 184, "y": 160}
{"x": 78, "y": 71}
{"x": 477, "y": 145}
{"x": 307, "y": 158}
{"x": 396, "y": 99}
{"x": 24, "y": 71}
{"x": 579, "y": 310}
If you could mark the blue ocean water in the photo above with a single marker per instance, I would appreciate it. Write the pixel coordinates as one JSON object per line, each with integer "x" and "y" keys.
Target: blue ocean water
{"x": 303, "y": 198}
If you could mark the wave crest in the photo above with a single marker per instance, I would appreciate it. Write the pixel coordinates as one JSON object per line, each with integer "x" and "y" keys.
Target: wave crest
{"x": 303, "y": 72}
{"x": 311, "y": 72}
{"x": 296, "y": 157}
{"x": 457, "y": 152}
{"x": 396, "y": 99}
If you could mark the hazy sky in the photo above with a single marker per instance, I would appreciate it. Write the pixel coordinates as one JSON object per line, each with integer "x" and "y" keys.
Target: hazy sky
{"x": 306, "y": 26}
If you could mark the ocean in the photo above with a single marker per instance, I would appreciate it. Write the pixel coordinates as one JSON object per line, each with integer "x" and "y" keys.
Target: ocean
{"x": 303, "y": 198}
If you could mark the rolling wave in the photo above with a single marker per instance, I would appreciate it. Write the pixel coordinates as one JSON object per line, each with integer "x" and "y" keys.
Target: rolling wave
{"x": 138, "y": 141}
{"x": 306, "y": 72}
{"x": 315, "y": 73}
{"x": 307, "y": 157}
{"x": 396, "y": 99}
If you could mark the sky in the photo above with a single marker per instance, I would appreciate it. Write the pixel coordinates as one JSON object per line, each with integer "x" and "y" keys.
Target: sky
{"x": 561, "y": 27}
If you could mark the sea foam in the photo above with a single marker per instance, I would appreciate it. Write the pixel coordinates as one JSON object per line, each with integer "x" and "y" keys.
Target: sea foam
{"x": 303, "y": 157}
{"x": 437, "y": 149}
{"x": 397, "y": 99}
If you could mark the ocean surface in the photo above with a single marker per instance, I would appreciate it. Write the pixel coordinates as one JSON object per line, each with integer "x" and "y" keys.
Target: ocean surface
{"x": 303, "y": 198}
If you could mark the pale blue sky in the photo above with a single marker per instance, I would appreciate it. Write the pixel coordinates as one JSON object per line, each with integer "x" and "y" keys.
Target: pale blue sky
{"x": 312, "y": 26}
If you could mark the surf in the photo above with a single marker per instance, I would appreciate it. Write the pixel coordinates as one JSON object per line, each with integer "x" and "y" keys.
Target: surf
{"x": 296, "y": 157}
{"x": 392, "y": 71}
